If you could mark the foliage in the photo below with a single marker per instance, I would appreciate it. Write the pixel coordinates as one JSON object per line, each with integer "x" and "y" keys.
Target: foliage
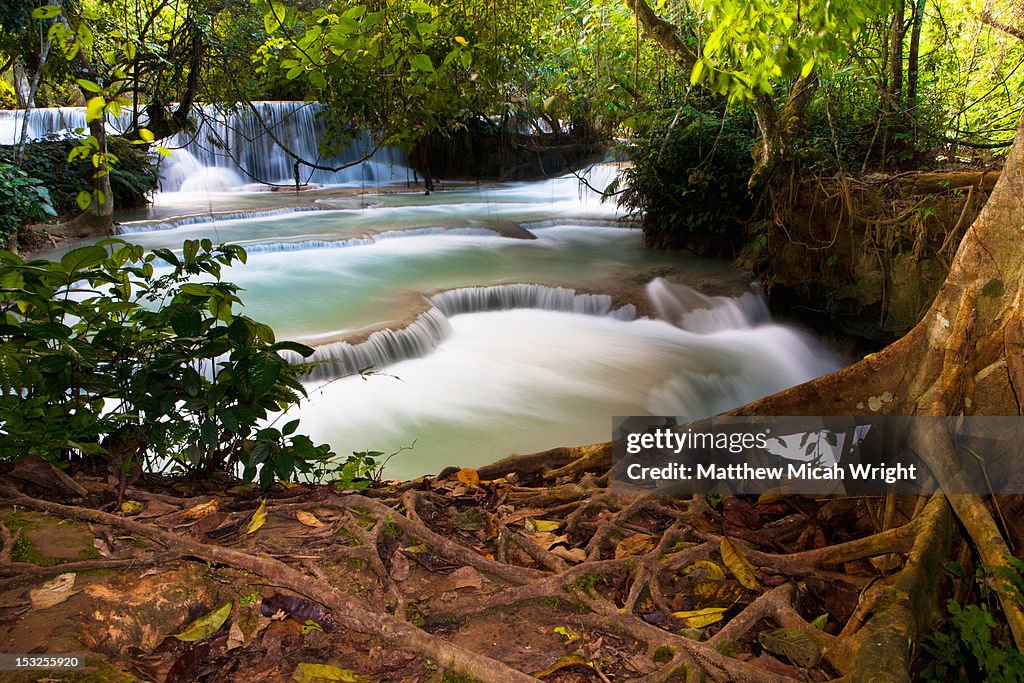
{"x": 103, "y": 354}
{"x": 131, "y": 180}
{"x": 23, "y": 199}
{"x": 690, "y": 178}
{"x": 972, "y": 646}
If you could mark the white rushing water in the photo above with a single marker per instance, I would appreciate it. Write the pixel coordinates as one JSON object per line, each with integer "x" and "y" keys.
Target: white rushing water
{"x": 485, "y": 312}
{"x": 232, "y": 148}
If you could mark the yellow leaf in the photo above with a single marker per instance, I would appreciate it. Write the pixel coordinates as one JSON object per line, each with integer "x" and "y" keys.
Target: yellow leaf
{"x": 325, "y": 673}
{"x": 131, "y": 507}
{"x": 308, "y": 518}
{"x": 468, "y": 476}
{"x": 699, "y": 618}
{"x": 712, "y": 571}
{"x": 259, "y": 518}
{"x": 541, "y": 525}
{"x": 739, "y": 565}
{"x": 546, "y": 539}
{"x": 461, "y": 41}
{"x": 637, "y": 544}
{"x": 563, "y": 662}
{"x": 206, "y": 625}
{"x": 566, "y": 631}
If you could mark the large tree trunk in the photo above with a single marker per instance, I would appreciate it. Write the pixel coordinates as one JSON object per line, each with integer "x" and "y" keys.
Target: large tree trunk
{"x": 965, "y": 357}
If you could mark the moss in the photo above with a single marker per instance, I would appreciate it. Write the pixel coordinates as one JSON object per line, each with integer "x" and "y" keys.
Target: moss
{"x": 25, "y": 551}
{"x": 451, "y": 676}
{"x": 89, "y": 554}
{"x": 664, "y": 654}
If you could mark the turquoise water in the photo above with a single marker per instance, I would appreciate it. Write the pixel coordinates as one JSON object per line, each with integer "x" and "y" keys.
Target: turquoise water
{"x": 494, "y": 382}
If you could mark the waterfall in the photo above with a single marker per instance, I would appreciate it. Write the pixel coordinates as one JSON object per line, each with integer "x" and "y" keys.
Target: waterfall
{"x": 690, "y": 310}
{"x": 507, "y": 297}
{"x": 382, "y": 348}
{"x": 230, "y": 148}
{"x": 429, "y": 329}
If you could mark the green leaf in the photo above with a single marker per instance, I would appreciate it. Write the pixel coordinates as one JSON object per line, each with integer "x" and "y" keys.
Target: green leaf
{"x": 83, "y": 199}
{"x": 46, "y": 12}
{"x": 88, "y": 85}
{"x": 421, "y": 62}
{"x": 94, "y": 108}
{"x": 205, "y": 626}
{"x": 81, "y": 258}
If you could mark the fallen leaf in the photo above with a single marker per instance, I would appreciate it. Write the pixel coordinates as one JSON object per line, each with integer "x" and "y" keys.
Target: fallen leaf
{"x": 235, "y": 637}
{"x": 259, "y": 517}
{"x": 699, "y": 618}
{"x": 567, "y": 632}
{"x": 53, "y": 592}
{"x": 308, "y": 518}
{"x": 469, "y": 520}
{"x": 469, "y": 477}
{"x": 546, "y": 539}
{"x": 131, "y": 507}
{"x": 739, "y": 565}
{"x": 325, "y": 673}
{"x": 575, "y": 555}
{"x": 206, "y": 625}
{"x": 399, "y": 566}
{"x": 201, "y": 510}
{"x": 562, "y": 663}
{"x": 463, "y": 577}
{"x": 101, "y": 547}
{"x": 637, "y": 544}
{"x": 541, "y": 525}
{"x": 716, "y": 592}
{"x": 803, "y": 649}
{"x": 711, "y": 571}
{"x": 819, "y": 622}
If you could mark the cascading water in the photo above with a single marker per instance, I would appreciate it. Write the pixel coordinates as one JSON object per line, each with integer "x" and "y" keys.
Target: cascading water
{"x": 482, "y": 343}
{"x": 232, "y": 148}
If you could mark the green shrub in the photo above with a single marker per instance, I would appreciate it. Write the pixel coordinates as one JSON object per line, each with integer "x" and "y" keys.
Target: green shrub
{"x": 101, "y": 357}
{"x": 23, "y": 199}
{"x": 131, "y": 179}
{"x": 690, "y": 179}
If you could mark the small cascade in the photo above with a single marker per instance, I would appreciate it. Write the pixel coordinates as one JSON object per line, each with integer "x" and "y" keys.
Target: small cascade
{"x": 382, "y": 348}
{"x": 690, "y": 310}
{"x": 202, "y": 219}
{"x": 508, "y": 297}
{"x": 422, "y": 336}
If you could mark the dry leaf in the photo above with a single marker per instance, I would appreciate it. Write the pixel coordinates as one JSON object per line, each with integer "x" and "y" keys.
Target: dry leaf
{"x": 53, "y": 592}
{"x": 712, "y": 572}
{"x": 546, "y": 539}
{"x": 637, "y": 544}
{"x": 576, "y": 555}
{"x": 468, "y": 476}
{"x": 563, "y": 662}
{"x": 308, "y": 518}
{"x": 716, "y": 592}
{"x": 699, "y": 618}
{"x": 739, "y": 565}
{"x": 463, "y": 577}
{"x": 259, "y": 517}
{"x": 801, "y": 648}
{"x": 202, "y": 509}
{"x": 235, "y": 637}
{"x": 399, "y": 566}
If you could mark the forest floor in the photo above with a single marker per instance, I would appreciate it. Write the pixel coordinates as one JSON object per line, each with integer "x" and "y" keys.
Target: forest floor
{"x": 529, "y": 568}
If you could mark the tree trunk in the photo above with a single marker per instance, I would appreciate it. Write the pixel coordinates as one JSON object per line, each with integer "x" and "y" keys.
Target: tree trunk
{"x": 22, "y": 89}
{"x": 914, "y": 56}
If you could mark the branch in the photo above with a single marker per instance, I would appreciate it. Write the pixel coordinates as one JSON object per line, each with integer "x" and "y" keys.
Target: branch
{"x": 663, "y": 32}
{"x": 987, "y": 18}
